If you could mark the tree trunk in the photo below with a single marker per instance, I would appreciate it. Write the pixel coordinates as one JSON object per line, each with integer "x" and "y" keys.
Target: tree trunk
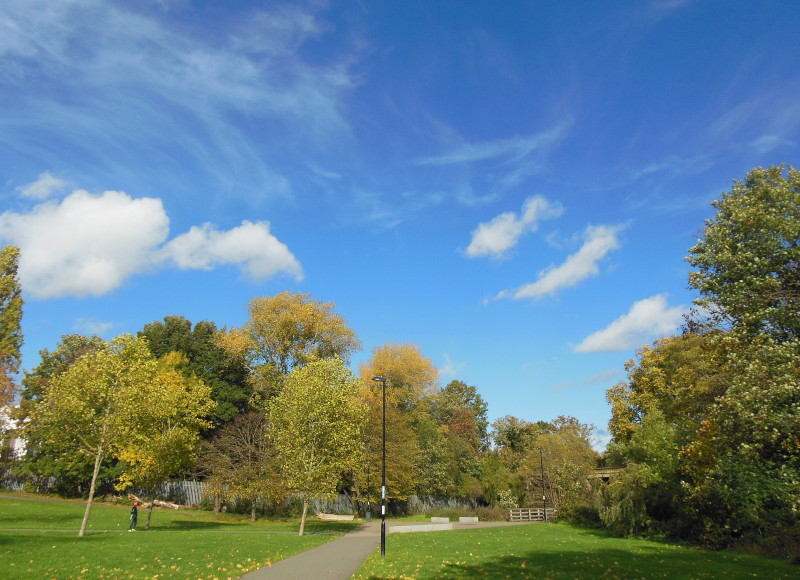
{"x": 305, "y": 513}
{"x": 149, "y": 515}
{"x": 253, "y": 512}
{"x": 98, "y": 458}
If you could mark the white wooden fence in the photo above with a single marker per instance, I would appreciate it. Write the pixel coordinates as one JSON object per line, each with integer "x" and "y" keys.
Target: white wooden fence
{"x": 530, "y": 514}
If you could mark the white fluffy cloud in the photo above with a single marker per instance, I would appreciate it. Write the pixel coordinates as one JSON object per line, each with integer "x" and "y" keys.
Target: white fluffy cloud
{"x": 251, "y": 245}
{"x": 495, "y": 237}
{"x": 646, "y": 319}
{"x": 598, "y": 241}
{"x": 89, "y": 244}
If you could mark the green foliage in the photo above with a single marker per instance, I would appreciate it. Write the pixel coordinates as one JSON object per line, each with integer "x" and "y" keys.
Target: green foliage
{"x": 226, "y": 376}
{"x": 747, "y": 264}
{"x": 10, "y": 322}
{"x": 43, "y": 459}
{"x": 566, "y": 456}
{"x": 317, "y": 423}
{"x": 745, "y": 461}
{"x": 463, "y": 411}
{"x": 119, "y": 401}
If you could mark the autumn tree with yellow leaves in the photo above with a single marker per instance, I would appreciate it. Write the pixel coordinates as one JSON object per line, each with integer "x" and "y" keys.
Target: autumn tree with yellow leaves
{"x": 119, "y": 401}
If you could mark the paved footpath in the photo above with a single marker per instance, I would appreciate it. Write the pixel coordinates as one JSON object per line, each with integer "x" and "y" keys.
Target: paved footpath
{"x": 340, "y": 558}
{"x": 335, "y": 560}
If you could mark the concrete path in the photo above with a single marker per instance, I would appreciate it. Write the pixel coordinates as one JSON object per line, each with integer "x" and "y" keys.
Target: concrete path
{"x": 340, "y": 558}
{"x": 336, "y": 560}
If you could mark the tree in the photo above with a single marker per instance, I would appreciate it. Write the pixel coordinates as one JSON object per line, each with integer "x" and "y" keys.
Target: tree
{"x": 42, "y": 452}
{"x": 241, "y": 459}
{"x": 411, "y": 379}
{"x": 679, "y": 376}
{"x": 317, "y": 424}
{"x": 462, "y": 409}
{"x": 747, "y": 264}
{"x": 411, "y": 376}
{"x": 284, "y": 332}
{"x": 402, "y": 453}
{"x": 107, "y": 402}
{"x": 163, "y": 429}
{"x": 741, "y": 470}
{"x": 567, "y": 458}
{"x": 226, "y": 376}
{"x": 10, "y": 322}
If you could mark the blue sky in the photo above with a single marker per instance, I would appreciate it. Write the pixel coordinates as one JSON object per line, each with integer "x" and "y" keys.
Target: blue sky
{"x": 511, "y": 186}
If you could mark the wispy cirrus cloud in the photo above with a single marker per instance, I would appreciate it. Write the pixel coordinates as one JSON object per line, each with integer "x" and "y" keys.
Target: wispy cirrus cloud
{"x": 511, "y": 149}
{"x": 601, "y": 378}
{"x": 501, "y": 233}
{"x": 90, "y": 244}
{"x": 125, "y": 88}
{"x": 646, "y": 319}
{"x": 583, "y": 264}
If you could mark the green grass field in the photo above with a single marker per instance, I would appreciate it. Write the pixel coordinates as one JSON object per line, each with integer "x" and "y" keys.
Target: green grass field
{"x": 38, "y": 539}
{"x": 555, "y": 551}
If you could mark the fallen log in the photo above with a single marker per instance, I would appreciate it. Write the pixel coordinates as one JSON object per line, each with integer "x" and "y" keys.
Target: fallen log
{"x": 334, "y": 517}
{"x": 157, "y": 502}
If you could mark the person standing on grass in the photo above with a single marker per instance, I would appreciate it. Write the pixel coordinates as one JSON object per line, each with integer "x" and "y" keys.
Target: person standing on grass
{"x": 134, "y": 516}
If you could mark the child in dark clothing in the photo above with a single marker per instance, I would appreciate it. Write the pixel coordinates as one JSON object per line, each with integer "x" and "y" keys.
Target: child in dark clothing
{"x": 134, "y": 516}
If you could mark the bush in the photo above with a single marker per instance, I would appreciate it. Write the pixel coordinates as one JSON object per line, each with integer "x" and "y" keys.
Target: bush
{"x": 585, "y": 516}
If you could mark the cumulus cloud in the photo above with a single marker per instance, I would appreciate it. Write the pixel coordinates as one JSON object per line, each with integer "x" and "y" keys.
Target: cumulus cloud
{"x": 647, "y": 319}
{"x": 89, "y": 244}
{"x": 495, "y": 237}
{"x": 251, "y": 245}
{"x": 598, "y": 241}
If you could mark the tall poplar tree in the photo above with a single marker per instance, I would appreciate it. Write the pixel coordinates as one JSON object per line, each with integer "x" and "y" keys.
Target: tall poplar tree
{"x": 10, "y": 322}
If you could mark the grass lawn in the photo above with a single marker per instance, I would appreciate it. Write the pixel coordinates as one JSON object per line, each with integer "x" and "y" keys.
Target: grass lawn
{"x": 38, "y": 539}
{"x": 546, "y": 551}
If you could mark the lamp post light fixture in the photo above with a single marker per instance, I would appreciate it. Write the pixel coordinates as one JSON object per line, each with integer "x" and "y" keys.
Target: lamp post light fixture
{"x": 544, "y": 497}
{"x": 382, "y": 380}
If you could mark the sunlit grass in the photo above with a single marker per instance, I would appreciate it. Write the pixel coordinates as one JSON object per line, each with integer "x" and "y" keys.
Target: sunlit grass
{"x": 555, "y": 551}
{"x": 179, "y": 544}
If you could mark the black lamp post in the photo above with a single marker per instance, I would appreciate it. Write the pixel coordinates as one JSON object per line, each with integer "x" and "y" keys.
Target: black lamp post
{"x": 382, "y": 380}
{"x": 544, "y": 497}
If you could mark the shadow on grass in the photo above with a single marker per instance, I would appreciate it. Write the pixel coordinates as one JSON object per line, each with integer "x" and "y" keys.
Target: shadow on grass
{"x": 195, "y": 525}
{"x": 33, "y": 520}
{"x": 613, "y": 563}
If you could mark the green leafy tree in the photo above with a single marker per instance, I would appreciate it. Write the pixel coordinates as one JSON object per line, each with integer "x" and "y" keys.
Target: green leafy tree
{"x": 103, "y": 406}
{"x": 461, "y": 408}
{"x": 747, "y": 263}
{"x": 567, "y": 459}
{"x": 10, "y": 322}
{"x": 283, "y": 332}
{"x": 226, "y": 376}
{"x": 742, "y": 468}
{"x": 317, "y": 422}
{"x": 42, "y": 461}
